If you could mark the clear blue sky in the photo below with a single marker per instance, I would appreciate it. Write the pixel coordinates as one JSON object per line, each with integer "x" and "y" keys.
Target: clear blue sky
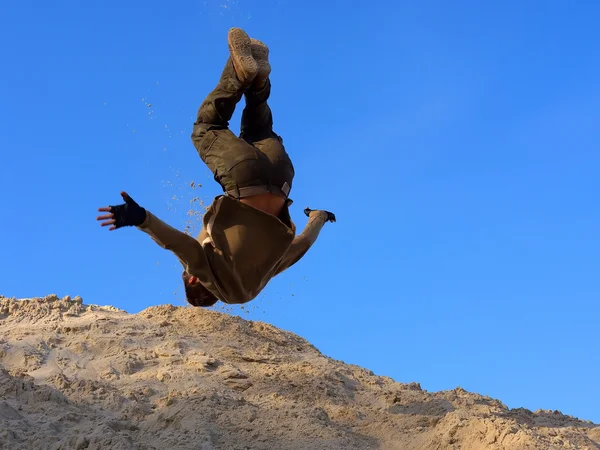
{"x": 457, "y": 142}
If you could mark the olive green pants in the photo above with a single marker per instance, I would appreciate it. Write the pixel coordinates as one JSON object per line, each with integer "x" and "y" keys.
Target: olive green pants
{"x": 256, "y": 161}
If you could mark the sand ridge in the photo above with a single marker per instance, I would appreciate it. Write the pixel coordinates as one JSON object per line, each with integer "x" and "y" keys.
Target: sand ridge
{"x": 76, "y": 376}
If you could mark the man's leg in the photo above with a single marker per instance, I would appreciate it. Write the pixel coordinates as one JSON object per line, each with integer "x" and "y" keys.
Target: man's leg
{"x": 216, "y": 110}
{"x": 257, "y": 121}
{"x": 218, "y": 147}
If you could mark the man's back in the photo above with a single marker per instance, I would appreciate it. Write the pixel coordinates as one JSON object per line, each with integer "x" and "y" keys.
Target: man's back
{"x": 237, "y": 252}
{"x": 266, "y": 202}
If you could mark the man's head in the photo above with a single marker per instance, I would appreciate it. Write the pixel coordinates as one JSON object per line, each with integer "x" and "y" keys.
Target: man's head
{"x": 196, "y": 294}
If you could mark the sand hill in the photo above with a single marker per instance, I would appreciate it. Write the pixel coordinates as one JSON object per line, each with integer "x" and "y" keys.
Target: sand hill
{"x": 75, "y": 376}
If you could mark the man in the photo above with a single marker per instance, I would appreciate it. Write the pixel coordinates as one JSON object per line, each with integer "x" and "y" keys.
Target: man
{"x": 247, "y": 236}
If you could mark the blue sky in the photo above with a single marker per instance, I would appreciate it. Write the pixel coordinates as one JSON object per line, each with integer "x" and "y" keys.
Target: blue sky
{"x": 457, "y": 143}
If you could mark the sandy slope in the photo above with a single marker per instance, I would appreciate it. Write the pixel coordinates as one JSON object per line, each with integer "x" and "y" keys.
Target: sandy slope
{"x": 74, "y": 376}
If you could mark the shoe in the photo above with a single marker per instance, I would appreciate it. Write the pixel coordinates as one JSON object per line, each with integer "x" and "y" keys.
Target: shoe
{"x": 260, "y": 53}
{"x": 240, "y": 49}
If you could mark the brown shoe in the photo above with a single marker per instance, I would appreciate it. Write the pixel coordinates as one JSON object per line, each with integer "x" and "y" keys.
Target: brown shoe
{"x": 260, "y": 52}
{"x": 245, "y": 66}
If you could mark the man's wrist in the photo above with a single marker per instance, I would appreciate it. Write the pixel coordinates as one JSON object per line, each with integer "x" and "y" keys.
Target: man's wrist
{"x": 144, "y": 223}
{"x": 326, "y": 215}
{"x": 319, "y": 214}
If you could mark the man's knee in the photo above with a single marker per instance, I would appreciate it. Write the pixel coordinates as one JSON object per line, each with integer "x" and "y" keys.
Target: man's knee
{"x": 203, "y": 137}
{"x": 199, "y": 131}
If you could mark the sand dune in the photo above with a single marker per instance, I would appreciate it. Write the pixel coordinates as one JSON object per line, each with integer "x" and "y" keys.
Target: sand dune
{"x": 76, "y": 376}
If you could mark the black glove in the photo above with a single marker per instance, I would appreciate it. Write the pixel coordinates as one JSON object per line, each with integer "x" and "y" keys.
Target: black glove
{"x": 330, "y": 215}
{"x": 128, "y": 214}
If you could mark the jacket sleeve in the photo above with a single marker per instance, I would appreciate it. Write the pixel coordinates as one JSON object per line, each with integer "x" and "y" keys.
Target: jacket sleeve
{"x": 303, "y": 241}
{"x": 187, "y": 249}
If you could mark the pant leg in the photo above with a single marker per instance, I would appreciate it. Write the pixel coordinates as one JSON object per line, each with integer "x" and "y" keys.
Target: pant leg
{"x": 257, "y": 130}
{"x": 218, "y": 106}
{"x": 234, "y": 162}
{"x": 257, "y": 118}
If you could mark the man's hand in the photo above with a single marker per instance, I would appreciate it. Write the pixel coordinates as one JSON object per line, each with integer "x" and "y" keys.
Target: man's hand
{"x": 128, "y": 214}
{"x": 330, "y": 215}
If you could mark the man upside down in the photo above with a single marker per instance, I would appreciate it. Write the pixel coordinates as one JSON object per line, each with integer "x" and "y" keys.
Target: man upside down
{"x": 247, "y": 236}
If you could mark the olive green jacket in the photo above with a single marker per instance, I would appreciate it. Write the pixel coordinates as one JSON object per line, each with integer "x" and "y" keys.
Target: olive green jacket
{"x": 239, "y": 248}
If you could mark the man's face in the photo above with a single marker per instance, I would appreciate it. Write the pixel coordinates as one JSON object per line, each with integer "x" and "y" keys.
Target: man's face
{"x": 196, "y": 294}
{"x": 189, "y": 280}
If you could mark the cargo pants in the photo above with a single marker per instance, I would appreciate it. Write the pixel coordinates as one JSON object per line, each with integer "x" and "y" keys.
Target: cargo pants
{"x": 253, "y": 163}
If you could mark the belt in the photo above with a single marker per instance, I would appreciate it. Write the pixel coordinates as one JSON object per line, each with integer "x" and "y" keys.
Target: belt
{"x": 249, "y": 191}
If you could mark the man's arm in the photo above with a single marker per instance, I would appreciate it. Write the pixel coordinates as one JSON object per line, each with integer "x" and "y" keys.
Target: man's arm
{"x": 187, "y": 249}
{"x": 304, "y": 241}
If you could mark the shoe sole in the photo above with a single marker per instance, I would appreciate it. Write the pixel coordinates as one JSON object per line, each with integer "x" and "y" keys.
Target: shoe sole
{"x": 260, "y": 52}
{"x": 240, "y": 49}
